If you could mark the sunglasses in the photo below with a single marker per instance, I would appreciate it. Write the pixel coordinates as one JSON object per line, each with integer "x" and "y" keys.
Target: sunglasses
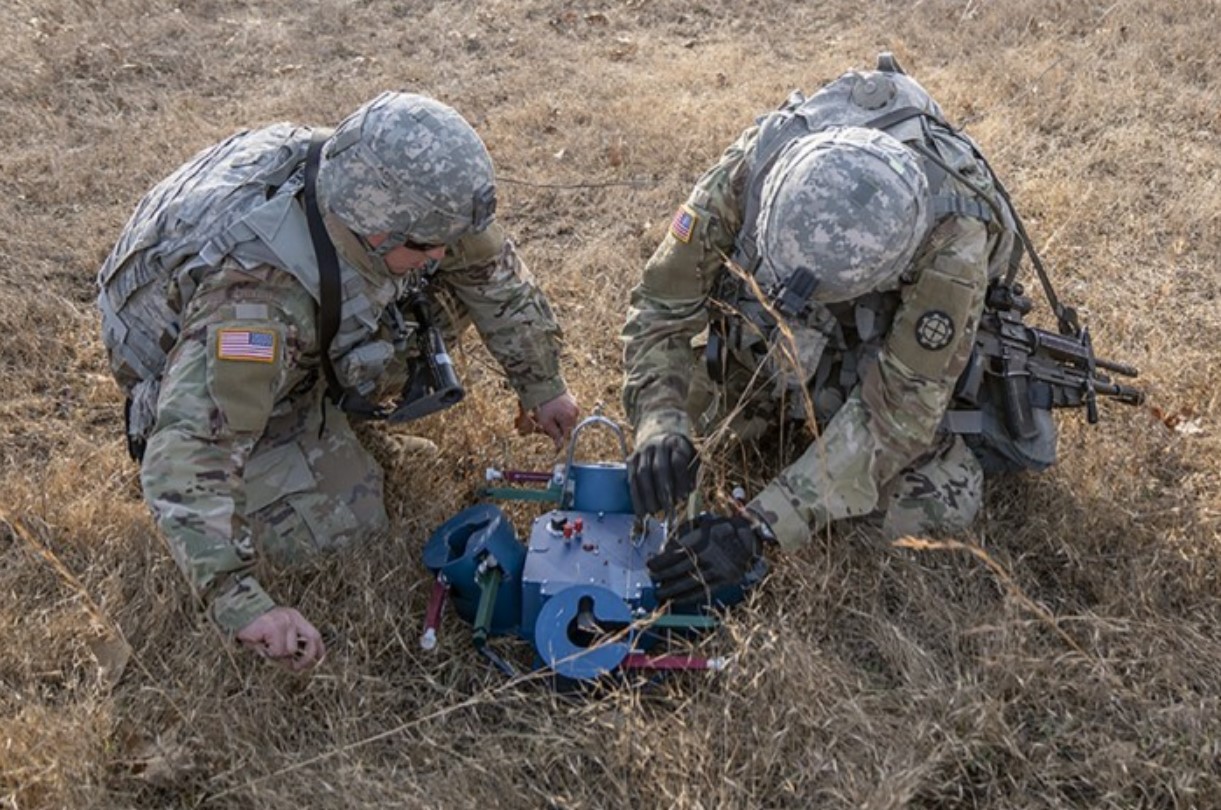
{"x": 420, "y": 246}
{"x": 394, "y": 243}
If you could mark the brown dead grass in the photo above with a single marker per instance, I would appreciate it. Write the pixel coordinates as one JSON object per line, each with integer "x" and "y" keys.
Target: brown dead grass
{"x": 1087, "y": 674}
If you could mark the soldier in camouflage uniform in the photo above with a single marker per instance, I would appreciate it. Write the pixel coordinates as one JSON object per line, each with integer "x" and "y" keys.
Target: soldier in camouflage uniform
{"x": 211, "y": 303}
{"x": 830, "y": 270}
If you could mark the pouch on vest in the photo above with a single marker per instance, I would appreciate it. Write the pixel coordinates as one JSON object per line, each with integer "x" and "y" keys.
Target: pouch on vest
{"x": 981, "y": 414}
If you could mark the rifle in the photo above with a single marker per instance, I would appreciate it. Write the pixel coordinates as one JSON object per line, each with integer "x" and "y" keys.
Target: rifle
{"x": 1037, "y": 368}
{"x": 432, "y": 384}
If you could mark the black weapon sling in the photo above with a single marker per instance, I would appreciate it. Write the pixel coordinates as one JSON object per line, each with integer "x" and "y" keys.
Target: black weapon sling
{"x": 328, "y": 268}
{"x": 328, "y": 274}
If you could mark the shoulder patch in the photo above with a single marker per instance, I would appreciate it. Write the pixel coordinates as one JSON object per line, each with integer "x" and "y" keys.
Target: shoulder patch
{"x": 935, "y": 330}
{"x": 246, "y": 345}
{"x": 683, "y": 223}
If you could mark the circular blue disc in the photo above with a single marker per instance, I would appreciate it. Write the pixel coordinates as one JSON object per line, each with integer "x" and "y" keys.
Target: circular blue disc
{"x": 565, "y": 647}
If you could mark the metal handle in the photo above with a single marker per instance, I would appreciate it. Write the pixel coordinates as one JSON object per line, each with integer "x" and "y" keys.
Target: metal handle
{"x": 572, "y": 444}
{"x": 583, "y": 425}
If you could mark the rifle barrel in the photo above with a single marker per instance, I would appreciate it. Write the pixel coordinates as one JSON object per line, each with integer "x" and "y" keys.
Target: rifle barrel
{"x": 1123, "y": 369}
{"x": 1124, "y": 393}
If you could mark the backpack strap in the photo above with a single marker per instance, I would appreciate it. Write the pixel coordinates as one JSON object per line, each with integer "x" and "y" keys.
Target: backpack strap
{"x": 1066, "y": 317}
{"x": 943, "y": 204}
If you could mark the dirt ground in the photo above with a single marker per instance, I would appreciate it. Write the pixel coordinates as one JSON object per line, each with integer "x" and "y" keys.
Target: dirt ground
{"x": 1075, "y": 662}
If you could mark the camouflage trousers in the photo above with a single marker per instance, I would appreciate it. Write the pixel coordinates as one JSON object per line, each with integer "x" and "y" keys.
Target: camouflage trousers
{"x": 310, "y": 485}
{"x": 940, "y": 493}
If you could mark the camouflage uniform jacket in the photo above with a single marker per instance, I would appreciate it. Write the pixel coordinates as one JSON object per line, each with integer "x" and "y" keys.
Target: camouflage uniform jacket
{"x": 247, "y": 353}
{"x": 890, "y": 417}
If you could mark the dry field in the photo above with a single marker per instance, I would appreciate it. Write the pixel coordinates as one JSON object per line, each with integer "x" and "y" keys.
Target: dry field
{"x": 1077, "y": 665}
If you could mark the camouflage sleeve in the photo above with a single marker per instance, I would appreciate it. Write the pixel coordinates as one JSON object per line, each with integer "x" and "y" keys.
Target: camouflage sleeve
{"x": 893, "y": 415}
{"x": 510, "y": 312}
{"x": 668, "y": 306}
{"x": 234, "y": 360}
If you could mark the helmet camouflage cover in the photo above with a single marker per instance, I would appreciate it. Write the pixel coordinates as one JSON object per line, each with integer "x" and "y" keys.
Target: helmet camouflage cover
{"x": 847, "y": 206}
{"x": 408, "y": 166}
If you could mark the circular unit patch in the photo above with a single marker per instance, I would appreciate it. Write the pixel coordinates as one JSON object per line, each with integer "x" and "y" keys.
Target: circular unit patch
{"x": 934, "y": 330}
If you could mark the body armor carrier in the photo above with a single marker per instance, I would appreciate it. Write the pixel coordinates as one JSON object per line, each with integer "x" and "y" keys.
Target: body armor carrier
{"x": 236, "y": 201}
{"x": 835, "y": 342}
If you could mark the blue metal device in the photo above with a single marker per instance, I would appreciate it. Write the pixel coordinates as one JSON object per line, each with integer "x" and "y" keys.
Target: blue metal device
{"x": 579, "y": 588}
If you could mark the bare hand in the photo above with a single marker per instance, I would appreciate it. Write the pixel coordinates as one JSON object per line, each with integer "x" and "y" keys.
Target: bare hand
{"x": 556, "y": 417}
{"x": 286, "y": 637}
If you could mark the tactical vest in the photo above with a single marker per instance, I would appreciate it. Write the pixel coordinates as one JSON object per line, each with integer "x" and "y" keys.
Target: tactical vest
{"x": 235, "y": 200}
{"x": 834, "y": 342}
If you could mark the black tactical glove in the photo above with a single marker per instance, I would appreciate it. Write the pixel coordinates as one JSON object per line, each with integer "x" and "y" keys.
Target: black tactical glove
{"x": 662, "y": 472}
{"x": 703, "y": 555}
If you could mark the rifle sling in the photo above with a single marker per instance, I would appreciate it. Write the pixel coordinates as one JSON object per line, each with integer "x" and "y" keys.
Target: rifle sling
{"x": 328, "y": 269}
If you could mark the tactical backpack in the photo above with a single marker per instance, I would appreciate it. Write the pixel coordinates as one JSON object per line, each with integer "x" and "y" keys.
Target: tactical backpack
{"x": 235, "y": 200}
{"x": 179, "y": 230}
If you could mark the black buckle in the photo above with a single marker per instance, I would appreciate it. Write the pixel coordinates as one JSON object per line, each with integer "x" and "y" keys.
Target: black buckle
{"x": 794, "y": 294}
{"x": 484, "y": 205}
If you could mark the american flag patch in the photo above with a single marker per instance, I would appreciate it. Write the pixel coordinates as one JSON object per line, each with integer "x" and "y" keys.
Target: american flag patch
{"x": 683, "y": 223}
{"x": 254, "y": 345}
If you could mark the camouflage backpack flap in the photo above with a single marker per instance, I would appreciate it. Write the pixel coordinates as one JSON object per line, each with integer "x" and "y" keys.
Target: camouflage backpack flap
{"x": 181, "y": 227}
{"x": 963, "y": 155}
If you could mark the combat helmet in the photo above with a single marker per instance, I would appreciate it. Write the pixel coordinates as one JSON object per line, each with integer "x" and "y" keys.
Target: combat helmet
{"x": 842, "y": 214}
{"x": 409, "y": 166}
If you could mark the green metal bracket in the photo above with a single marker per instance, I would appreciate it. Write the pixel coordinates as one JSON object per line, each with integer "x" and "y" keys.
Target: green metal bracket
{"x": 549, "y": 495}
{"x": 489, "y": 585}
{"x": 683, "y": 621}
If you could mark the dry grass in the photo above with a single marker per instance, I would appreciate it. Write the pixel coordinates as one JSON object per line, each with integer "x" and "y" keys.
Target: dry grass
{"x": 1078, "y": 665}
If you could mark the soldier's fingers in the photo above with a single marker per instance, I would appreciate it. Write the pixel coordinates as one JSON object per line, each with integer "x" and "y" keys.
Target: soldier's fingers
{"x": 683, "y": 458}
{"x": 721, "y": 534}
{"x": 637, "y": 499}
{"x": 568, "y": 420}
{"x": 548, "y": 424}
{"x": 557, "y": 433}
{"x": 290, "y": 641}
{"x": 525, "y": 423}
{"x": 310, "y": 651}
{"x": 271, "y": 641}
{"x": 686, "y": 590}
{"x": 633, "y": 485}
{"x": 644, "y": 495}
{"x": 671, "y": 564}
{"x": 686, "y": 461}
{"x": 258, "y": 645}
{"x": 663, "y": 476}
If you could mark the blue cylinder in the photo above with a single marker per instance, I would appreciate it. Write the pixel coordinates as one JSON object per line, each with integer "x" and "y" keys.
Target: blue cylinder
{"x": 601, "y": 487}
{"x": 461, "y": 544}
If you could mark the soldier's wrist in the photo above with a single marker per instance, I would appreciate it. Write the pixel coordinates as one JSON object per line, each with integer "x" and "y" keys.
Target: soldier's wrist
{"x": 761, "y": 529}
{"x": 535, "y": 394}
{"x": 239, "y": 604}
{"x": 661, "y": 422}
{"x": 775, "y": 507}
